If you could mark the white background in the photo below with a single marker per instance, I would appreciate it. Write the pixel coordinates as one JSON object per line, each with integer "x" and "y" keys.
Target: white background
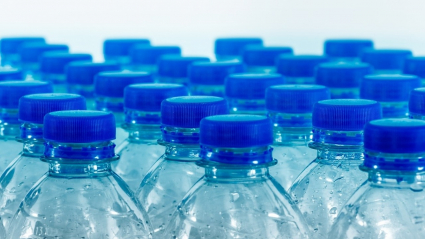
{"x": 194, "y": 24}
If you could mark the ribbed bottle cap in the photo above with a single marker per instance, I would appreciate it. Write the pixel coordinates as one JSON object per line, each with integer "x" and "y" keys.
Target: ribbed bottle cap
{"x": 31, "y": 52}
{"x": 33, "y": 108}
{"x": 385, "y": 59}
{"x": 11, "y": 91}
{"x": 414, "y": 66}
{"x": 187, "y": 111}
{"x": 263, "y": 55}
{"x": 10, "y": 74}
{"x": 293, "y": 99}
{"x": 149, "y": 55}
{"x": 345, "y": 114}
{"x": 83, "y": 73}
{"x": 250, "y": 86}
{"x": 213, "y": 73}
{"x": 299, "y": 65}
{"x": 236, "y": 131}
{"x": 112, "y": 84}
{"x": 79, "y": 126}
{"x": 234, "y": 46}
{"x": 177, "y": 66}
{"x": 417, "y": 101}
{"x": 388, "y": 88}
{"x": 342, "y": 75}
{"x": 121, "y": 47}
{"x": 346, "y": 47}
{"x": 55, "y": 62}
{"x": 148, "y": 97}
{"x": 11, "y": 45}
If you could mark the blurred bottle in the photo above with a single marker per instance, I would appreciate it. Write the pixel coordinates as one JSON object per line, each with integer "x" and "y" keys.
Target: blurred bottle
{"x": 415, "y": 66}
{"x": 299, "y": 69}
{"x": 417, "y": 104}
{"x": 11, "y": 74}
{"x": 119, "y": 50}
{"x": 346, "y": 50}
{"x": 228, "y": 49}
{"x": 145, "y": 58}
{"x": 262, "y": 59}
{"x": 9, "y": 49}
{"x": 174, "y": 69}
{"x": 385, "y": 61}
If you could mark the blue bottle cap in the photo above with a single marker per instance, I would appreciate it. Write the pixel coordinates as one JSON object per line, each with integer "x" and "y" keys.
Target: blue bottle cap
{"x": 294, "y": 99}
{"x": 345, "y": 114}
{"x": 11, "y": 45}
{"x": 11, "y": 91}
{"x": 234, "y": 46}
{"x": 10, "y": 74}
{"x": 385, "y": 59}
{"x": 31, "y": 52}
{"x": 112, "y": 84}
{"x": 342, "y": 75}
{"x": 417, "y": 101}
{"x": 177, "y": 66}
{"x": 187, "y": 111}
{"x": 83, "y": 73}
{"x": 33, "y": 108}
{"x": 388, "y": 88}
{"x": 250, "y": 86}
{"x": 121, "y": 47}
{"x": 149, "y": 55}
{"x": 263, "y": 55}
{"x": 213, "y": 73}
{"x": 55, "y": 62}
{"x": 79, "y": 126}
{"x": 346, "y": 47}
{"x": 414, "y": 66}
{"x": 299, "y": 65}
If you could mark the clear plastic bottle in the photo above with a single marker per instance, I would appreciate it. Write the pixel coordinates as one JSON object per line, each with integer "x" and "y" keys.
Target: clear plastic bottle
{"x": 385, "y": 61}
{"x": 415, "y": 66}
{"x": 342, "y": 78}
{"x": 24, "y": 171}
{"x": 321, "y": 190}
{"x": 10, "y": 74}
{"x": 392, "y": 91}
{"x": 176, "y": 171}
{"x": 230, "y": 49}
{"x": 237, "y": 198}
{"x": 346, "y": 50}
{"x": 80, "y": 196}
{"x": 119, "y": 50}
{"x": 262, "y": 59}
{"x": 290, "y": 108}
{"x": 139, "y": 152}
{"x": 145, "y": 57}
{"x": 299, "y": 69}
{"x": 109, "y": 94}
{"x": 174, "y": 69}
{"x": 245, "y": 92}
{"x": 390, "y": 203}
{"x": 9, "y": 49}
{"x": 417, "y": 104}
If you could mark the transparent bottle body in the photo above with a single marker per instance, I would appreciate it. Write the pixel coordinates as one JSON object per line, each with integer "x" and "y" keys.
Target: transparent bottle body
{"x": 344, "y": 93}
{"x": 247, "y": 106}
{"x": 395, "y": 109}
{"x": 10, "y": 147}
{"x": 211, "y": 90}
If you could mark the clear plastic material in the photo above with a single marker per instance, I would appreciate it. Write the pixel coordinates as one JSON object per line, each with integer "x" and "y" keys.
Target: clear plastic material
{"x": 10, "y": 148}
{"x": 247, "y": 106}
{"x": 58, "y": 80}
{"x": 344, "y": 93}
{"x": 210, "y": 90}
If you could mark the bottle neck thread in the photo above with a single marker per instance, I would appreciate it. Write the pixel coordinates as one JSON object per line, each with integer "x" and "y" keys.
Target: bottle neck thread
{"x": 110, "y": 104}
{"x": 237, "y": 156}
{"x": 142, "y": 117}
{"x": 292, "y": 135}
{"x": 285, "y": 120}
{"x": 332, "y": 137}
{"x": 176, "y": 135}
{"x": 72, "y": 153}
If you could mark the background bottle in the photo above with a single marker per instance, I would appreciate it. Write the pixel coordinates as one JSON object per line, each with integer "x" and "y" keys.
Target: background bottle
{"x": 230, "y": 49}
{"x": 9, "y": 49}
{"x": 118, "y": 50}
{"x": 385, "y": 61}
{"x": 145, "y": 57}
{"x": 346, "y": 50}
{"x": 174, "y": 68}
{"x": 299, "y": 69}
{"x": 262, "y": 59}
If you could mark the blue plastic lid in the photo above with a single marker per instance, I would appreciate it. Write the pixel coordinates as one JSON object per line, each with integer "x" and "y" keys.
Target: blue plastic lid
{"x": 11, "y": 45}
{"x": 187, "y": 111}
{"x": 11, "y": 91}
{"x": 295, "y": 99}
{"x": 213, "y": 73}
{"x": 177, "y": 66}
{"x": 234, "y": 46}
{"x": 385, "y": 59}
{"x": 149, "y": 55}
{"x": 55, "y": 62}
{"x": 388, "y": 88}
{"x": 121, "y": 47}
{"x": 342, "y": 75}
{"x": 346, "y": 47}
{"x": 83, "y": 73}
{"x": 31, "y": 52}
{"x": 299, "y": 65}
{"x": 263, "y": 55}
{"x": 417, "y": 101}
{"x": 112, "y": 84}
{"x": 33, "y": 108}
{"x": 10, "y": 74}
{"x": 414, "y": 66}
{"x": 345, "y": 114}
{"x": 250, "y": 86}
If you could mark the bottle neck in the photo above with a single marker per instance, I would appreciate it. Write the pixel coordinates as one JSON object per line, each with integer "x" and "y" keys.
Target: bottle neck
{"x": 292, "y": 135}
{"x": 223, "y": 174}
{"x": 406, "y": 162}
{"x": 248, "y": 156}
{"x": 109, "y": 104}
{"x": 416, "y": 116}
{"x": 180, "y": 152}
{"x": 338, "y": 152}
{"x": 9, "y": 123}
{"x": 247, "y": 106}
{"x": 83, "y": 90}
{"x": 70, "y": 170}
{"x": 135, "y": 117}
{"x": 140, "y": 132}
{"x": 32, "y": 139}
{"x": 395, "y": 109}
{"x": 396, "y": 179}
{"x": 323, "y": 137}
{"x": 181, "y": 136}
{"x": 291, "y": 120}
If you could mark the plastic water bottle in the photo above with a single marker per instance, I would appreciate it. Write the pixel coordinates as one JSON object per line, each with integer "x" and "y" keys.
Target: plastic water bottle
{"x": 79, "y": 196}
{"x": 343, "y": 79}
{"x": 10, "y": 74}
{"x": 173, "y": 69}
{"x": 392, "y": 91}
{"x": 227, "y": 49}
{"x": 207, "y": 78}
{"x": 27, "y": 168}
{"x": 145, "y": 57}
{"x": 386, "y": 61}
{"x": 417, "y": 104}
{"x": 326, "y": 184}
{"x": 139, "y": 152}
{"x": 9, "y": 49}
{"x": 262, "y": 59}
{"x": 237, "y": 198}
{"x": 52, "y": 67}
{"x": 415, "y": 66}
{"x": 246, "y": 92}
{"x": 290, "y": 108}
{"x": 390, "y": 203}
{"x": 119, "y": 50}
{"x": 10, "y": 92}
{"x": 299, "y": 69}
{"x": 109, "y": 94}
{"x": 176, "y": 171}
{"x": 346, "y": 50}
